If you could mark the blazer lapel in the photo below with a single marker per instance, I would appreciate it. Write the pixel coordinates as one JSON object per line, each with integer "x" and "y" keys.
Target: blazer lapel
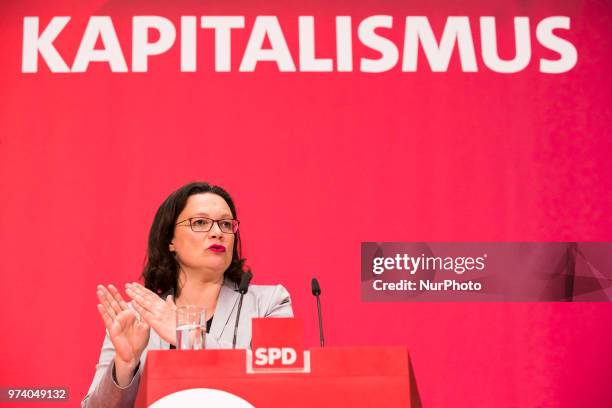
{"x": 228, "y": 300}
{"x": 156, "y": 342}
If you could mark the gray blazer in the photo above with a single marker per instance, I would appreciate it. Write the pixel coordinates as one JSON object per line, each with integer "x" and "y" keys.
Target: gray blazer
{"x": 260, "y": 301}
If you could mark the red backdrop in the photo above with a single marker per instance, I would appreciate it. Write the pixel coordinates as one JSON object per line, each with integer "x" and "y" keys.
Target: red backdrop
{"x": 317, "y": 163}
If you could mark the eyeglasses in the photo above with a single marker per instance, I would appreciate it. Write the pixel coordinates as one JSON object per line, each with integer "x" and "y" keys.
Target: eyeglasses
{"x": 203, "y": 224}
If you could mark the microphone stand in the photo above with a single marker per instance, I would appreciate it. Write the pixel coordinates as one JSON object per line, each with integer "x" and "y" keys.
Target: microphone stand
{"x": 243, "y": 288}
{"x": 316, "y": 291}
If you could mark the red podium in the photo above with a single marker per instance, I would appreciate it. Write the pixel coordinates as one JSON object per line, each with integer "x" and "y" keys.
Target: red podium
{"x": 335, "y": 377}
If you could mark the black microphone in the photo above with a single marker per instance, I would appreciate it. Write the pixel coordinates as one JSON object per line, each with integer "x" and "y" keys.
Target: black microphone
{"x": 316, "y": 291}
{"x": 243, "y": 288}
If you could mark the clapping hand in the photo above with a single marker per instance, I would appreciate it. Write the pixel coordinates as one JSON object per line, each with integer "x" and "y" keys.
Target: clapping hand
{"x": 159, "y": 314}
{"x": 128, "y": 333}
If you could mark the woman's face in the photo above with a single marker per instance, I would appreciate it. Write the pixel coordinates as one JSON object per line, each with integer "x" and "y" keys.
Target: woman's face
{"x": 207, "y": 251}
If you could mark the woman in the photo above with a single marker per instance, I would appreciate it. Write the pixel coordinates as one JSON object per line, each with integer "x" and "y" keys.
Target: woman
{"x": 193, "y": 258}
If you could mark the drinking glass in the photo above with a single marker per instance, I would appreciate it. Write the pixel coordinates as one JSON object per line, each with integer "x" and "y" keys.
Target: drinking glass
{"x": 190, "y": 328}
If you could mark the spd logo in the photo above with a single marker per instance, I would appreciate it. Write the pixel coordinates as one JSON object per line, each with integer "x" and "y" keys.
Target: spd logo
{"x": 275, "y": 357}
{"x": 278, "y": 345}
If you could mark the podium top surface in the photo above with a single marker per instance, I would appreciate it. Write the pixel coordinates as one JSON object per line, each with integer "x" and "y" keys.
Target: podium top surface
{"x": 328, "y": 361}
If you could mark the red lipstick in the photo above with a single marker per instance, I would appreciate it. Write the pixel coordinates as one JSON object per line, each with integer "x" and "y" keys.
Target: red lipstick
{"x": 217, "y": 248}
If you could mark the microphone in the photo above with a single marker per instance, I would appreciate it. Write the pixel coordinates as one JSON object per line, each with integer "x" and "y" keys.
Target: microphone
{"x": 316, "y": 291}
{"x": 243, "y": 288}
{"x": 245, "y": 281}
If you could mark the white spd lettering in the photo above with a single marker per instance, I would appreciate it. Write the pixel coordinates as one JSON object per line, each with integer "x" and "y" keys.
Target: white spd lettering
{"x": 268, "y": 356}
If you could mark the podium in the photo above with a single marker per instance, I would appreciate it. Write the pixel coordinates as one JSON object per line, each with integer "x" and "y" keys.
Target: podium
{"x": 335, "y": 376}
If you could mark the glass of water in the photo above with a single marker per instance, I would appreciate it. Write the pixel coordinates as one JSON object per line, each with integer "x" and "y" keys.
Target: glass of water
{"x": 190, "y": 328}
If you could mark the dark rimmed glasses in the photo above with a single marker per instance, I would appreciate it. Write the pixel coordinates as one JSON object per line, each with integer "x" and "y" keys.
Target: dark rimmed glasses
{"x": 203, "y": 224}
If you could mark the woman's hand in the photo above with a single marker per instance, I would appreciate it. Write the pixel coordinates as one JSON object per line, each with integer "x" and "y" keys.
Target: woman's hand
{"x": 128, "y": 333}
{"x": 159, "y": 314}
